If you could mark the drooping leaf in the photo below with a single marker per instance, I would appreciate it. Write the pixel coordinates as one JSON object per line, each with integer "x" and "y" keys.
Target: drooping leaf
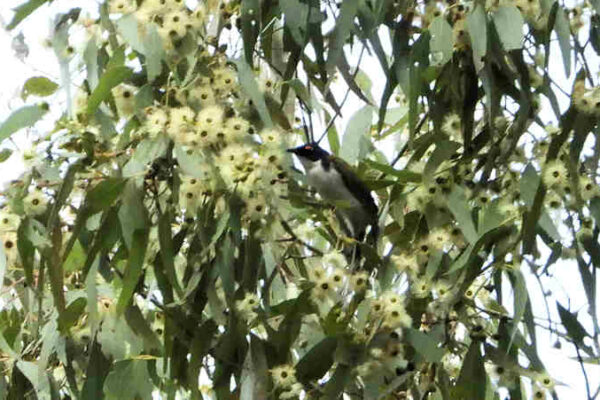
{"x": 444, "y": 149}
{"x": 574, "y": 328}
{"x": 23, "y": 11}
{"x": 477, "y": 26}
{"x": 520, "y": 298}
{"x": 317, "y": 361}
{"x": 340, "y": 33}
{"x": 2, "y": 264}
{"x": 457, "y": 203}
{"x": 254, "y": 380}
{"x": 250, "y": 87}
{"x": 355, "y": 142}
{"x": 24, "y": 117}
{"x": 472, "y": 381}
{"x": 250, "y": 27}
{"x": 402, "y": 175}
{"x": 38, "y": 86}
{"x": 167, "y": 250}
{"x": 427, "y": 346}
{"x": 104, "y": 194}
{"x": 37, "y": 376}
{"x": 296, "y": 16}
{"x": 71, "y": 315}
{"x": 112, "y": 77}
{"x": 133, "y": 269}
{"x": 132, "y": 213}
{"x": 563, "y": 31}
{"x": 509, "y": 25}
{"x": 97, "y": 370}
{"x": 5, "y": 154}
{"x": 128, "y": 380}
{"x": 440, "y": 44}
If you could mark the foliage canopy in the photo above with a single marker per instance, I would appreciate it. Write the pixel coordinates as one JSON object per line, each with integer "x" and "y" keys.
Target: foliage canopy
{"x": 161, "y": 241}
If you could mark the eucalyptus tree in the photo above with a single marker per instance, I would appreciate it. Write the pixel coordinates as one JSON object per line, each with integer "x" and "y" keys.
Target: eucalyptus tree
{"x": 161, "y": 242}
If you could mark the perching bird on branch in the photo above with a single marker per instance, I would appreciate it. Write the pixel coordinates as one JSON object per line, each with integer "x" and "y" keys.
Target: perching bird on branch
{"x": 335, "y": 182}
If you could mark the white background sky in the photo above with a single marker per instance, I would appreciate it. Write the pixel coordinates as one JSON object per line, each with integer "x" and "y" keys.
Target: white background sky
{"x": 565, "y": 285}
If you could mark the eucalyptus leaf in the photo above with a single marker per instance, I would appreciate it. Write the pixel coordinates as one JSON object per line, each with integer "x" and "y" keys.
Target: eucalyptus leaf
{"x": 38, "y": 86}
{"x": 133, "y": 269}
{"x": 250, "y": 87}
{"x": 563, "y": 31}
{"x": 112, "y": 77}
{"x": 477, "y": 26}
{"x": 458, "y": 205}
{"x": 355, "y": 141}
{"x": 23, "y": 11}
{"x": 24, "y": 117}
{"x": 472, "y": 381}
{"x": 440, "y": 44}
{"x": 509, "y": 25}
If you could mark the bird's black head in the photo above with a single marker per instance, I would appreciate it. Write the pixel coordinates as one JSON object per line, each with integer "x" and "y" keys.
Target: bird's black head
{"x": 311, "y": 151}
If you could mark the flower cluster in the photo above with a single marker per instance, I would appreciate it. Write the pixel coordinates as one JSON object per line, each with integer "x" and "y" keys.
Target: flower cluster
{"x": 284, "y": 379}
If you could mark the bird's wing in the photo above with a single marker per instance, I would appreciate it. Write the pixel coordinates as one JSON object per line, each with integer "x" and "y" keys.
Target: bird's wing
{"x": 352, "y": 180}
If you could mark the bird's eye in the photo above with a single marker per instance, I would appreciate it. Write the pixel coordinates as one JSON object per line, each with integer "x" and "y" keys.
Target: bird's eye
{"x": 308, "y": 148}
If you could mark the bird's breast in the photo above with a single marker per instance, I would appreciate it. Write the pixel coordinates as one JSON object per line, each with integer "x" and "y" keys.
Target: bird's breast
{"x": 330, "y": 185}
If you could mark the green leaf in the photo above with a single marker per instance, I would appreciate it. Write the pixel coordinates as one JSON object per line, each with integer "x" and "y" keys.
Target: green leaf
{"x": 345, "y": 22}
{"x": 23, "y": 11}
{"x": 520, "y": 298}
{"x": 144, "y": 40}
{"x": 440, "y": 44}
{"x": 112, "y": 77}
{"x": 133, "y": 269}
{"x": 34, "y": 372}
{"x": 458, "y": 205}
{"x": 444, "y": 149}
{"x": 70, "y": 316}
{"x": 300, "y": 91}
{"x": 425, "y": 345}
{"x": 104, "y": 194}
{"x": 250, "y": 87}
{"x": 167, "y": 252}
{"x": 574, "y": 328}
{"x": 563, "y": 31}
{"x": 296, "y": 15}
{"x": 76, "y": 259}
{"x": 90, "y": 57}
{"x": 24, "y": 117}
{"x": 509, "y": 25}
{"x": 472, "y": 381}
{"x": 529, "y": 185}
{"x": 128, "y": 380}
{"x": 38, "y": 86}
{"x": 317, "y": 361}
{"x": 254, "y": 379}
{"x": 2, "y": 264}
{"x": 225, "y": 261}
{"x": 155, "y": 52}
{"x": 595, "y": 209}
{"x": 335, "y": 386}
{"x": 477, "y": 26}
{"x": 95, "y": 374}
{"x": 146, "y": 152}
{"x": 250, "y": 27}
{"x": 132, "y": 213}
{"x": 402, "y": 175}
{"x": 356, "y": 142}
{"x": 5, "y": 154}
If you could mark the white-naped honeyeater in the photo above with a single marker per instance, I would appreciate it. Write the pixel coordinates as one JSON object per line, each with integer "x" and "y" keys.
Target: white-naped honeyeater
{"x": 336, "y": 182}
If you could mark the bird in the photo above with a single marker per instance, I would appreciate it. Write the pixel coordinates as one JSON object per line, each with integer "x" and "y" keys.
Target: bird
{"x": 336, "y": 182}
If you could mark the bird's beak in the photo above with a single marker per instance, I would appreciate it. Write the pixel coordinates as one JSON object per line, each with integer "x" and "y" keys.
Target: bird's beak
{"x": 291, "y": 150}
